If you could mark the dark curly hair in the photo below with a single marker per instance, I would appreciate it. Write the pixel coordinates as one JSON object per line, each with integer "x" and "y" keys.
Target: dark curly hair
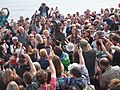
{"x": 41, "y": 76}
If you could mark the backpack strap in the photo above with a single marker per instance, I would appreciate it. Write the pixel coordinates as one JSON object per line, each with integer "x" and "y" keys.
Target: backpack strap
{"x": 79, "y": 85}
{"x": 48, "y": 88}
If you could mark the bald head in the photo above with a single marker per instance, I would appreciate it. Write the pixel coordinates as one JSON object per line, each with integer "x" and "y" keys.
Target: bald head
{"x": 104, "y": 62}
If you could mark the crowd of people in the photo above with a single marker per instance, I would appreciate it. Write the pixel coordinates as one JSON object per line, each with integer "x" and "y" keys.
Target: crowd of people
{"x": 54, "y": 52}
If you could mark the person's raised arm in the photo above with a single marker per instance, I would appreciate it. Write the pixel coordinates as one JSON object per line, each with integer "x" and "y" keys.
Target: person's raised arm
{"x": 104, "y": 49}
{"x": 8, "y": 12}
{"x": 109, "y": 42}
{"x": 33, "y": 69}
{"x": 81, "y": 58}
{"x": 52, "y": 68}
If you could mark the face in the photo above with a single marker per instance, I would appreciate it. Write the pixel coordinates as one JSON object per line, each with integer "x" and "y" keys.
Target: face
{"x": 29, "y": 48}
{"x": 73, "y": 29}
{"x": 3, "y": 14}
{"x": 86, "y": 34}
{"x": 31, "y": 37}
{"x": 21, "y": 30}
{"x": 96, "y": 36}
{"x": 46, "y": 34}
{"x": 15, "y": 41}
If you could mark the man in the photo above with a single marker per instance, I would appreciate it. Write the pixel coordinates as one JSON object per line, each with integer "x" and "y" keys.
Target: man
{"x": 89, "y": 55}
{"x": 43, "y": 10}
{"x": 4, "y": 16}
{"x": 22, "y": 36}
{"x": 110, "y": 72}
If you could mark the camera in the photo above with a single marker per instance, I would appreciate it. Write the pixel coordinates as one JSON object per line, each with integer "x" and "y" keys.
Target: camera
{"x": 99, "y": 35}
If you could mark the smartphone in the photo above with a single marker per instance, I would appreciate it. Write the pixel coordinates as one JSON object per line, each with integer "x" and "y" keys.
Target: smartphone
{"x": 48, "y": 49}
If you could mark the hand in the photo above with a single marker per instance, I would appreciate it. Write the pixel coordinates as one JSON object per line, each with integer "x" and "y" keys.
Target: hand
{"x": 100, "y": 41}
{"x": 104, "y": 38}
{"x": 15, "y": 74}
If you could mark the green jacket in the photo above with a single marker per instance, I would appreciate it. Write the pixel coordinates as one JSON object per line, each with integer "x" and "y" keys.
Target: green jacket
{"x": 65, "y": 60}
{"x": 4, "y": 18}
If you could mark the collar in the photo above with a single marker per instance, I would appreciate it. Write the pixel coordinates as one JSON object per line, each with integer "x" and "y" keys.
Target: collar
{"x": 108, "y": 68}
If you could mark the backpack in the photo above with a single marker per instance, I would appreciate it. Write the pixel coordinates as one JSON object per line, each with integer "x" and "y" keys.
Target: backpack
{"x": 59, "y": 83}
{"x": 79, "y": 84}
{"x": 32, "y": 86}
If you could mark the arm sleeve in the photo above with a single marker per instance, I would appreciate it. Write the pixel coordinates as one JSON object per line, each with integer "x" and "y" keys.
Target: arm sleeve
{"x": 102, "y": 82}
{"x": 53, "y": 84}
{"x": 8, "y": 13}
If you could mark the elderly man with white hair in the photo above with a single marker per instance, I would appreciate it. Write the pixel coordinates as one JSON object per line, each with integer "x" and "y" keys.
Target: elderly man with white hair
{"x": 22, "y": 36}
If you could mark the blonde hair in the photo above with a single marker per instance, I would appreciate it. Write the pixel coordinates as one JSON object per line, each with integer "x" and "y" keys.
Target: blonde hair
{"x": 45, "y": 31}
{"x": 8, "y": 75}
{"x": 114, "y": 84}
{"x": 43, "y": 53}
{"x": 12, "y": 86}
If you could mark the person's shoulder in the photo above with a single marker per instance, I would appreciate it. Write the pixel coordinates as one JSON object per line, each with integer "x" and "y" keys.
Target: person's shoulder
{"x": 115, "y": 67}
{"x": 32, "y": 86}
{"x": 93, "y": 50}
{"x": 111, "y": 70}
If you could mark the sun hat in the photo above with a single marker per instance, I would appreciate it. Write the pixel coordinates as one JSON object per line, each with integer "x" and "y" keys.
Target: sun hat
{"x": 73, "y": 65}
{"x": 68, "y": 20}
{"x": 14, "y": 38}
{"x": 70, "y": 47}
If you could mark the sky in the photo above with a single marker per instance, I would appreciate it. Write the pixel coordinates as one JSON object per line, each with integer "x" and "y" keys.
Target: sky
{"x": 27, "y": 7}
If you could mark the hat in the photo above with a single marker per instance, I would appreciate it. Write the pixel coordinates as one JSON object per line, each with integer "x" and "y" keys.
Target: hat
{"x": 75, "y": 70}
{"x": 14, "y": 38}
{"x": 84, "y": 43}
{"x": 70, "y": 47}
{"x": 73, "y": 65}
{"x": 68, "y": 20}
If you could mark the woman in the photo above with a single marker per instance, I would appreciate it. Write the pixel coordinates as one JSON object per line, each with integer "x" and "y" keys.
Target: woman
{"x": 32, "y": 41}
{"x": 43, "y": 61}
{"x": 74, "y": 37}
{"x": 42, "y": 76}
{"x": 59, "y": 69}
{"x": 33, "y": 53}
{"x": 41, "y": 44}
{"x": 63, "y": 56}
{"x": 87, "y": 35}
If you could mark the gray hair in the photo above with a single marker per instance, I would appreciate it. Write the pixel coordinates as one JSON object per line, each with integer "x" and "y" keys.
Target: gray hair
{"x": 37, "y": 66}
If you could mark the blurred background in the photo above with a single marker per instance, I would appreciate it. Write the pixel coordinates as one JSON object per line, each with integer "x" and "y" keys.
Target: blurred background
{"x": 27, "y": 8}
